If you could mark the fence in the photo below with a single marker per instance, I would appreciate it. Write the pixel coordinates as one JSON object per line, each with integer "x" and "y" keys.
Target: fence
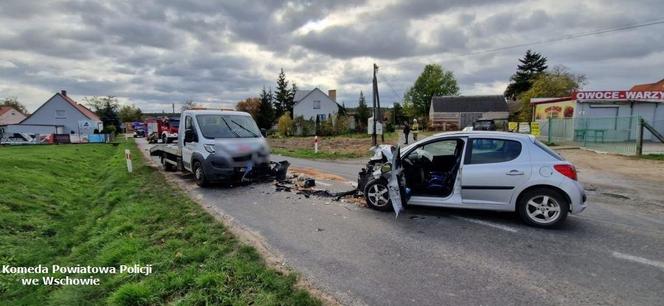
{"x": 24, "y": 138}
{"x": 608, "y": 134}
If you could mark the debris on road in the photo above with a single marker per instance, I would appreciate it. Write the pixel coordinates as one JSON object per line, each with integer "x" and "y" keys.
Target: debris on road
{"x": 316, "y": 174}
{"x": 305, "y": 186}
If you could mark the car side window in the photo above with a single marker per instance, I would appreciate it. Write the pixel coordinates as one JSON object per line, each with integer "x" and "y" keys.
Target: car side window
{"x": 489, "y": 150}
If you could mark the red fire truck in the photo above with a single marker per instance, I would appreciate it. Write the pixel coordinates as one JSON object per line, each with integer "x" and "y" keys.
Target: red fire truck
{"x": 162, "y": 128}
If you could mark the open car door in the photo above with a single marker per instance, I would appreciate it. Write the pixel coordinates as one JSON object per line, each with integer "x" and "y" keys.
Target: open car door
{"x": 394, "y": 182}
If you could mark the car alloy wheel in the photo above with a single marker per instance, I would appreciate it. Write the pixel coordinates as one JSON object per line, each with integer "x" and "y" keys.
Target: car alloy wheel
{"x": 543, "y": 209}
{"x": 378, "y": 195}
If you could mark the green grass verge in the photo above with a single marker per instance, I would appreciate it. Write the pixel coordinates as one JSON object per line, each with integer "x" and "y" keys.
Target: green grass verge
{"x": 310, "y": 154}
{"x": 653, "y": 156}
{"x": 77, "y": 205}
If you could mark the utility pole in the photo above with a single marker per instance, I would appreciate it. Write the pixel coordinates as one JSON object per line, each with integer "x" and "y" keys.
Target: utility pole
{"x": 376, "y": 108}
{"x": 173, "y": 105}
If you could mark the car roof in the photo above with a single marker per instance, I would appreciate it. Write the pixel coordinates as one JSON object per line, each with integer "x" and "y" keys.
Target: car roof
{"x": 486, "y": 133}
{"x": 215, "y": 112}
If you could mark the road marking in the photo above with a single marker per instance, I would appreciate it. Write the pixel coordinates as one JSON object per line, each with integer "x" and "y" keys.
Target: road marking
{"x": 490, "y": 224}
{"x": 640, "y": 260}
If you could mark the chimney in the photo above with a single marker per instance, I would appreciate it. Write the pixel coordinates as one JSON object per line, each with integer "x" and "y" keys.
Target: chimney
{"x": 63, "y": 92}
{"x": 332, "y": 93}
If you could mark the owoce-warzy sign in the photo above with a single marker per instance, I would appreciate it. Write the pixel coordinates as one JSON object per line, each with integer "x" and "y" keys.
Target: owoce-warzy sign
{"x": 619, "y": 95}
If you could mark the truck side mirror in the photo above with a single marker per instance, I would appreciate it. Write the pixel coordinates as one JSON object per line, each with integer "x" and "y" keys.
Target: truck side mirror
{"x": 189, "y": 135}
{"x": 264, "y": 132}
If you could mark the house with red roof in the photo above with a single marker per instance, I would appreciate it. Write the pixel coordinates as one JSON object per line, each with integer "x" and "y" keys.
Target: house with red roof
{"x": 657, "y": 86}
{"x": 59, "y": 115}
{"x": 10, "y": 115}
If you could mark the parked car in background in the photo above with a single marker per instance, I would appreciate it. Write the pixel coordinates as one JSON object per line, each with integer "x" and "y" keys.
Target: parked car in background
{"x": 476, "y": 170}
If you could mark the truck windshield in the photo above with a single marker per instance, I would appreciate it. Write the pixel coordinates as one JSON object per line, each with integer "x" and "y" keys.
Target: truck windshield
{"x": 227, "y": 126}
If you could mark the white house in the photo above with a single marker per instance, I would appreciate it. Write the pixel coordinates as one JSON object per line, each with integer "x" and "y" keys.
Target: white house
{"x": 9, "y": 115}
{"x": 315, "y": 103}
{"x": 59, "y": 115}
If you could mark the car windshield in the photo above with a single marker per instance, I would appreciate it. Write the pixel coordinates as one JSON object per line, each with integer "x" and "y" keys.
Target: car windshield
{"x": 227, "y": 126}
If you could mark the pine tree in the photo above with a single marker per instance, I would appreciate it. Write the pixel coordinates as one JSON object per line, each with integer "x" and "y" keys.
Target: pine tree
{"x": 362, "y": 111}
{"x": 281, "y": 95}
{"x": 265, "y": 117}
{"x": 532, "y": 64}
{"x": 290, "y": 103}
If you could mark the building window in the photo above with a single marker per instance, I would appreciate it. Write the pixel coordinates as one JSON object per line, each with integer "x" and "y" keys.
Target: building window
{"x": 316, "y": 104}
{"x": 60, "y": 114}
{"x": 321, "y": 117}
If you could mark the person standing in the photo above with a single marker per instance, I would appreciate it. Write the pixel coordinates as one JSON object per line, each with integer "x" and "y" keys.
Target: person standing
{"x": 406, "y": 131}
{"x": 415, "y": 129}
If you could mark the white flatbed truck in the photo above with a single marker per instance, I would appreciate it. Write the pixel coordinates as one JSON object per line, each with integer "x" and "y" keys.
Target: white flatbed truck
{"x": 216, "y": 145}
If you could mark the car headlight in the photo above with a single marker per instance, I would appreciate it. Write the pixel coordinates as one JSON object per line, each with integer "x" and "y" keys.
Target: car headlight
{"x": 386, "y": 168}
{"x": 209, "y": 148}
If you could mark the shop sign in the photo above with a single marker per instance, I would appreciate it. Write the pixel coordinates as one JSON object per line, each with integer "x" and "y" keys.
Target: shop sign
{"x": 619, "y": 95}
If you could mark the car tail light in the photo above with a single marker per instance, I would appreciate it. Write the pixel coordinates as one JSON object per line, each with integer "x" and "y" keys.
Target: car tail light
{"x": 566, "y": 170}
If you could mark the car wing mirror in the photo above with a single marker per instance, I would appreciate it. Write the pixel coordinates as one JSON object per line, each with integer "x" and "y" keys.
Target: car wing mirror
{"x": 189, "y": 135}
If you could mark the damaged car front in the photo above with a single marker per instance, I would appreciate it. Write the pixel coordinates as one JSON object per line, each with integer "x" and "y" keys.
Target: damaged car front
{"x": 381, "y": 180}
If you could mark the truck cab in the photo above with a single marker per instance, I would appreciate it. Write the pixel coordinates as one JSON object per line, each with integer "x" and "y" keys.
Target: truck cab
{"x": 216, "y": 145}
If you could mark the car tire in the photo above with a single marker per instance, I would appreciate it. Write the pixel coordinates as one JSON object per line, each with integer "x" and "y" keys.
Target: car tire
{"x": 377, "y": 195}
{"x": 167, "y": 166}
{"x": 543, "y": 207}
{"x": 199, "y": 175}
{"x": 164, "y": 139}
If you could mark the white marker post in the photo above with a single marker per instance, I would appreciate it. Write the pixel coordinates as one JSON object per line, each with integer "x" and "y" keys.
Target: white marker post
{"x": 316, "y": 144}
{"x": 128, "y": 158}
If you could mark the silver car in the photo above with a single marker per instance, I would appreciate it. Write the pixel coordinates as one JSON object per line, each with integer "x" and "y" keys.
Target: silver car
{"x": 477, "y": 170}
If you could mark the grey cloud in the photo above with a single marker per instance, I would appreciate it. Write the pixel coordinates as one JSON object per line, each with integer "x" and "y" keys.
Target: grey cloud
{"x": 159, "y": 52}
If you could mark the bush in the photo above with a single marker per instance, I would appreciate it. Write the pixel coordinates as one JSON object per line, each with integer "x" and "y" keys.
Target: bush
{"x": 109, "y": 129}
{"x": 342, "y": 125}
{"x": 285, "y": 125}
{"x": 302, "y": 127}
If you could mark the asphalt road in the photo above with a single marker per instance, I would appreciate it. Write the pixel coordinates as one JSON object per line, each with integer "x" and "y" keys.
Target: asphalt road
{"x": 611, "y": 254}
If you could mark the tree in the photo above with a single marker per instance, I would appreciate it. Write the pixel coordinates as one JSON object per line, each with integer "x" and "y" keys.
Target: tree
{"x": 290, "y": 103}
{"x": 532, "y": 64}
{"x": 559, "y": 82}
{"x": 13, "y": 102}
{"x": 265, "y": 117}
{"x": 188, "y": 104}
{"x": 107, "y": 110}
{"x": 250, "y": 105}
{"x": 433, "y": 81}
{"x": 397, "y": 114}
{"x": 129, "y": 113}
{"x": 282, "y": 95}
{"x": 285, "y": 125}
{"x": 362, "y": 112}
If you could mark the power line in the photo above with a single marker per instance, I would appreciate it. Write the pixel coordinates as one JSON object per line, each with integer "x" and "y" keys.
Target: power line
{"x": 570, "y": 36}
{"x": 396, "y": 95}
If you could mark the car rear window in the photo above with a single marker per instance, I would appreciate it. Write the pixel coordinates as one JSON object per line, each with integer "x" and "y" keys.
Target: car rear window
{"x": 548, "y": 150}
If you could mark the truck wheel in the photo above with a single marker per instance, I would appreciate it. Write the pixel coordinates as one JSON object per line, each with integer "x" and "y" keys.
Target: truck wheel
{"x": 199, "y": 175}
{"x": 167, "y": 166}
{"x": 164, "y": 139}
{"x": 542, "y": 207}
{"x": 377, "y": 195}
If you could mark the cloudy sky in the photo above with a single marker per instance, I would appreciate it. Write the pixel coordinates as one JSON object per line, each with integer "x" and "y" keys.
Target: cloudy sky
{"x": 152, "y": 53}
